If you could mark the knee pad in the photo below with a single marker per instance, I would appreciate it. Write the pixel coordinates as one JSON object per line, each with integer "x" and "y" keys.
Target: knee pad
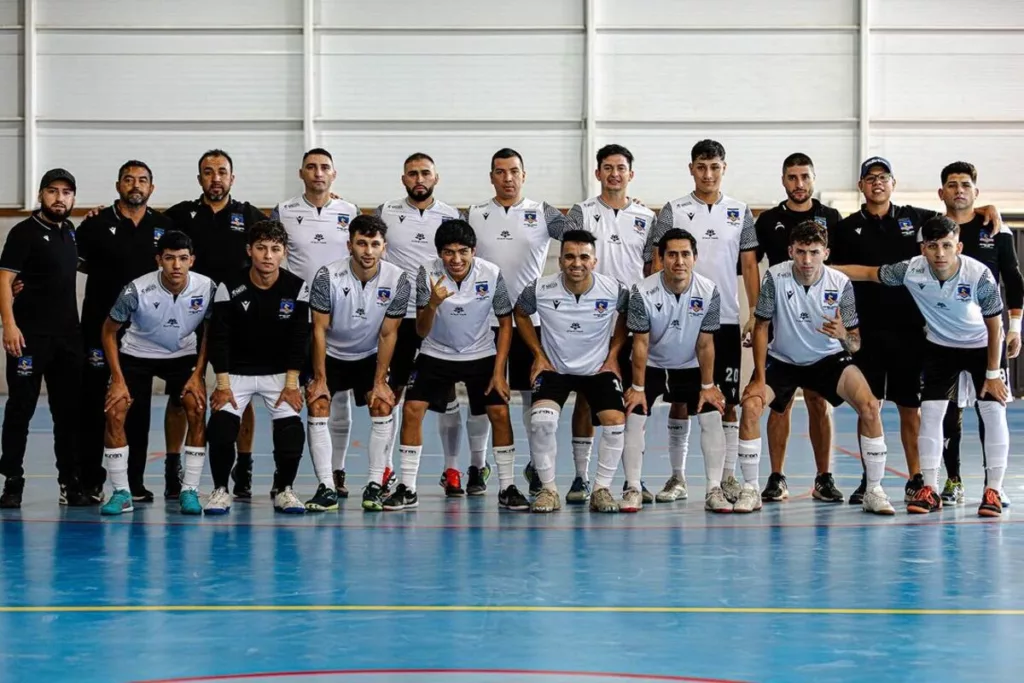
{"x": 223, "y": 427}
{"x": 997, "y": 433}
{"x": 543, "y": 428}
{"x": 930, "y": 438}
{"x": 289, "y": 437}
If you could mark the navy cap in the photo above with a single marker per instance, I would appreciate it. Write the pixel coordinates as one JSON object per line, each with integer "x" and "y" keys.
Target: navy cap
{"x": 55, "y": 174}
{"x": 875, "y": 161}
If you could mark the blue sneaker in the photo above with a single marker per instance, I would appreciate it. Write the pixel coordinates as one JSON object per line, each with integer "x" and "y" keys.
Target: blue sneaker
{"x": 189, "y": 501}
{"x": 119, "y": 503}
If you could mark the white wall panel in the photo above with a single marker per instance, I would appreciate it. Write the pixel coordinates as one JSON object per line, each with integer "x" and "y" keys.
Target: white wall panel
{"x": 724, "y": 14}
{"x": 451, "y": 13}
{"x": 10, "y": 12}
{"x": 451, "y": 77}
{"x": 184, "y": 13}
{"x": 954, "y": 14}
{"x": 679, "y": 77}
{"x": 10, "y": 164}
{"x": 11, "y": 74}
{"x": 370, "y": 163}
{"x": 266, "y": 163}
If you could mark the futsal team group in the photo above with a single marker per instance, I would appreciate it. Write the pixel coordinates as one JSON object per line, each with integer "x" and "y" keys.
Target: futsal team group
{"x": 321, "y": 306}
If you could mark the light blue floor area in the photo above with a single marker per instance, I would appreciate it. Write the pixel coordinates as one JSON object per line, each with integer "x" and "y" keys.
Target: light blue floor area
{"x": 458, "y": 591}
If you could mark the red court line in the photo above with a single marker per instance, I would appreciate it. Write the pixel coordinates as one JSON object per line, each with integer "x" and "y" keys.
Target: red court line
{"x": 420, "y": 672}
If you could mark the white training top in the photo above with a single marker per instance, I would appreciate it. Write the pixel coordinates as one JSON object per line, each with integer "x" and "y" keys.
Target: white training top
{"x": 163, "y": 325}
{"x": 316, "y": 237}
{"x": 621, "y": 236}
{"x": 674, "y": 321}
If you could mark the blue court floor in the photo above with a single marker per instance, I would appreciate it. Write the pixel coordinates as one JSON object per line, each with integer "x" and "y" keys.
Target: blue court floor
{"x": 458, "y": 592}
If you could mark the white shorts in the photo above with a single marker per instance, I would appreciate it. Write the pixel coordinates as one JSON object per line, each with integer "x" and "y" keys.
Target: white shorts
{"x": 268, "y": 387}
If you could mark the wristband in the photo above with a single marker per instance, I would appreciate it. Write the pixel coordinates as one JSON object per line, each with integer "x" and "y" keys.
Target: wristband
{"x": 708, "y": 386}
{"x": 291, "y": 380}
{"x": 1015, "y": 325}
{"x": 637, "y": 388}
{"x": 993, "y": 374}
{"x": 223, "y": 382}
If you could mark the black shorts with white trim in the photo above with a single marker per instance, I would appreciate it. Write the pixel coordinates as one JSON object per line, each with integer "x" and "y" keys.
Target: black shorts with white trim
{"x": 139, "y": 373}
{"x": 821, "y": 377}
{"x": 728, "y": 356}
{"x": 354, "y": 375}
{"x": 942, "y": 365}
{"x": 603, "y": 391}
{"x": 674, "y": 386}
{"x": 433, "y": 380}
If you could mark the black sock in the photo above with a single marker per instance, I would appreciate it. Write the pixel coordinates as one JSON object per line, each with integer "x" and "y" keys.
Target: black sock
{"x": 245, "y": 459}
{"x": 222, "y": 459}
{"x": 287, "y": 470}
{"x": 952, "y": 431}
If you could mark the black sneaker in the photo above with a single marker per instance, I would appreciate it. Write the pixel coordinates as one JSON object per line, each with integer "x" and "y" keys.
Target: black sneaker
{"x": 241, "y": 474}
{"x": 776, "y": 489}
{"x": 914, "y": 484}
{"x": 95, "y": 492}
{"x": 646, "y": 496}
{"x": 14, "y": 487}
{"x": 389, "y": 480}
{"x": 579, "y": 492}
{"x": 857, "y": 497}
{"x": 73, "y": 496}
{"x": 477, "y": 485}
{"x": 825, "y": 489}
{"x": 172, "y": 476}
{"x": 401, "y": 499}
{"x": 512, "y": 499}
{"x": 533, "y": 479}
{"x": 325, "y": 500}
{"x": 339, "y": 483}
{"x": 373, "y": 499}
{"x": 140, "y": 494}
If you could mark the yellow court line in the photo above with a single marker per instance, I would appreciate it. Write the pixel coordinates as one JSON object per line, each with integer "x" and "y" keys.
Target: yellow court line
{"x": 850, "y": 611}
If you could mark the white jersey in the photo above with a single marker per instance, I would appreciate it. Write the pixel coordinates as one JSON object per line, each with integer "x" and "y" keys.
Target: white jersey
{"x": 674, "y": 321}
{"x": 316, "y": 237}
{"x": 621, "y": 236}
{"x": 163, "y": 325}
{"x": 955, "y": 310}
{"x": 357, "y": 309}
{"x": 575, "y": 330}
{"x": 797, "y": 312}
{"x": 462, "y": 328}
{"x": 411, "y": 235}
{"x": 722, "y": 231}
{"x": 516, "y": 239}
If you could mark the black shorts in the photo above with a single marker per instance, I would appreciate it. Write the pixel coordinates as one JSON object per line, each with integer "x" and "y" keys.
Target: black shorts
{"x": 354, "y": 375}
{"x": 821, "y": 377}
{"x": 433, "y": 380}
{"x": 602, "y": 391}
{"x": 893, "y": 367}
{"x": 406, "y": 347}
{"x": 728, "y": 355}
{"x": 520, "y": 361}
{"x": 139, "y": 373}
{"x": 674, "y": 386}
{"x": 942, "y": 365}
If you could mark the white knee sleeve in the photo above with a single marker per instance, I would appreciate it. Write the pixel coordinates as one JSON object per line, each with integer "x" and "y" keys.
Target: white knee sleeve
{"x": 543, "y": 441}
{"x": 632, "y": 453}
{"x": 609, "y": 451}
{"x": 929, "y": 441}
{"x": 712, "y": 443}
{"x": 997, "y": 433}
{"x": 340, "y": 425}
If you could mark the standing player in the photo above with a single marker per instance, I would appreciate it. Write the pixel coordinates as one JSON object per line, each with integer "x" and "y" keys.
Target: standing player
{"x": 773, "y": 228}
{"x": 724, "y": 228}
{"x": 412, "y": 223}
{"x": 796, "y": 296}
{"x": 259, "y": 340}
{"x": 958, "y": 192}
{"x": 218, "y": 225}
{"x": 673, "y": 316}
{"x": 456, "y": 294}
{"x": 357, "y": 306}
{"x": 580, "y": 338}
{"x": 959, "y": 300}
{"x": 620, "y": 226}
{"x": 163, "y": 311}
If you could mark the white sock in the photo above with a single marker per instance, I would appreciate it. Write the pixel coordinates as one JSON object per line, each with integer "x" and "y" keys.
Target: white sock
{"x": 712, "y": 445}
{"x": 478, "y": 428}
{"x": 341, "y": 428}
{"x": 396, "y": 434}
{"x": 582, "y": 447}
{"x": 505, "y": 458}
{"x": 195, "y": 460}
{"x": 410, "y": 458}
{"x": 632, "y": 452}
{"x": 319, "y": 438}
{"x": 609, "y": 449}
{"x": 997, "y": 442}
{"x": 678, "y": 444}
{"x": 749, "y": 452}
{"x": 116, "y": 462}
{"x": 873, "y": 452}
{"x": 380, "y": 436}
{"x": 449, "y": 428}
{"x": 527, "y": 399}
{"x": 543, "y": 443}
{"x": 732, "y": 447}
{"x": 930, "y": 439}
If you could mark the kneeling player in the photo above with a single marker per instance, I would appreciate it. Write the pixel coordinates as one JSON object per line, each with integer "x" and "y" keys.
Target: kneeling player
{"x": 357, "y": 305}
{"x": 164, "y": 310}
{"x": 796, "y": 295}
{"x": 960, "y": 302}
{"x": 673, "y": 316}
{"x": 259, "y": 334}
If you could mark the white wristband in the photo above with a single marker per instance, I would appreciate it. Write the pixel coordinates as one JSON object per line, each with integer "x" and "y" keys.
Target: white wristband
{"x": 708, "y": 386}
{"x": 993, "y": 374}
{"x": 1015, "y": 325}
{"x": 637, "y": 388}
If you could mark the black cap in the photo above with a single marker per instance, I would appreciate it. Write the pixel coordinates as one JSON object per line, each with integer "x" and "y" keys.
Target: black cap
{"x": 875, "y": 161}
{"x": 55, "y": 174}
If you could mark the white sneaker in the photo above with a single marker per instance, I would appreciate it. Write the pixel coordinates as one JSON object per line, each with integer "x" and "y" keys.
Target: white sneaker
{"x": 674, "y": 489}
{"x": 286, "y": 501}
{"x": 715, "y": 501}
{"x": 632, "y": 500}
{"x": 877, "y": 502}
{"x": 547, "y": 500}
{"x": 749, "y": 500}
{"x": 219, "y": 503}
{"x": 731, "y": 488}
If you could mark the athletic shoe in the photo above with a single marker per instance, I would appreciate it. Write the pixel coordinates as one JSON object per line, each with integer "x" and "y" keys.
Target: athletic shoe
{"x": 674, "y": 489}
{"x": 373, "y": 500}
{"x": 14, "y": 487}
{"x": 953, "y": 492}
{"x": 715, "y": 501}
{"x": 1003, "y": 498}
{"x": 875, "y": 501}
{"x": 731, "y": 488}
{"x": 451, "y": 482}
{"x": 478, "y": 477}
{"x": 120, "y": 502}
{"x": 401, "y": 499}
{"x": 748, "y": 500}
{"x": 172, "y": 476}
{"x": 925, "y": 501}
{"x": 219, "y": 503}
{"x": 386, "y": 482}
{"x": 645, "y": 495}
{"x": 325, "y": 500}
{"x": 857, "y": 497}
{"x": 96, "y": 493}
{"x": 776, "y": 489}
{"x": 632, "y": 500}
{"x": 825, "y": 489}
{"x": 913, "y": 487}
{"x": 533, "y": 479}
{"x": 189, "y": 502}
{"x": 512, "y": 498}
{"x": 579, "y": 492}
{"x": 991, "y": 505}
{"x": 241, "y": 474}
{"x": 547, "y": 501}
{"x": 339, "y": 484}
{"x": 603, "y": 501}
{"x": 288, "y": 503}
{"x": 140, "y": 494}
{"x": 73, "y": 496}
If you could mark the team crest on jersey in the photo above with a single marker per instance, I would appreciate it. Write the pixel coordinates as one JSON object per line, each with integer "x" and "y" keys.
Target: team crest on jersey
{"x": 95, "y": 358}
{"x": 237, "y": 222}
{"x": 732, "y": 215}
{"x": 383, "y": 295}
{"x": 25, "y": 366}
{"x": 640, "y": 225}
{"x": 157, "y": 233}
{"x": 195, "y": 304}
{"x": 820, "y": 220}
{"x": 601, "y": 306}
{"x": 831, "y": 297}
{"x": 906, "y": 226}
{"x": 482, "y": 289}
{"x": 530, "y": 219}
{"x": 286, "y": 309}
{"x": 696, "y": 305}
{"x": 963, "y": 291}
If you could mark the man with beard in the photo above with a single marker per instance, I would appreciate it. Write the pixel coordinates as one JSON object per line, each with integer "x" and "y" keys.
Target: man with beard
{"x": 115, "y": 246}
{"x": 218, "y": 225}
{"x": 41, "y": 336}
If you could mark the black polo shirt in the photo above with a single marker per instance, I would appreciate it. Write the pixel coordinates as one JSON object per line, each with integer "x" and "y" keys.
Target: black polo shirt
{"x": 998, "y": 253}
{"x": 219, "y": 239}
{"x": 114, "y": 251}
{"x": 774, "y": 225}
{"x": 865, "y": 240}
{"x": 45, "y": 258}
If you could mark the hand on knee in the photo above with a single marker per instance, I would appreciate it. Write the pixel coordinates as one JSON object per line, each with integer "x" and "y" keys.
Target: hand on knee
{"x": 320, "y": 407}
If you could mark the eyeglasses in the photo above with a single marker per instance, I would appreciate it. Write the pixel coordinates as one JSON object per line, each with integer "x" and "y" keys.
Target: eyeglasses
{"x": 880, "y": 178}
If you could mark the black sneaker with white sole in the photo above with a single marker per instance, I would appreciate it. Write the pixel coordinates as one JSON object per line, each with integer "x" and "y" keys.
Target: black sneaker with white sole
{"x": 512, "y": 498}
{"x": 401, "y": 499}
{"x": 857, "y": 497}
{"x": 825, "y": 489}
{"x": 776, "y": 490}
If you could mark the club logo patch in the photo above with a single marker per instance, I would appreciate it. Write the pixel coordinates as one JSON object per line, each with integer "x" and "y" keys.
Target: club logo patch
{"x": 25, "y": 366}
{"x": 195, "y": 303}
{"x": 831, "y": 297}
{"x": 963, "y": 291}
{"x": 286, "y": 309}
{"x": 482, "y": 289}
{"x": 343, "y": 219}
{"x": 383, "y": 295}
{"x": 696, "y": 305}
{"x": 530, "y": 219}
{"x": 237, "y": 222}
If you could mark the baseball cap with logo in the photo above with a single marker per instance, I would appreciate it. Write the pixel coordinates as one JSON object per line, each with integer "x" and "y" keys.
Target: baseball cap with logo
{"x": 55, "y": 174}
{"x": 875, "y": 161}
